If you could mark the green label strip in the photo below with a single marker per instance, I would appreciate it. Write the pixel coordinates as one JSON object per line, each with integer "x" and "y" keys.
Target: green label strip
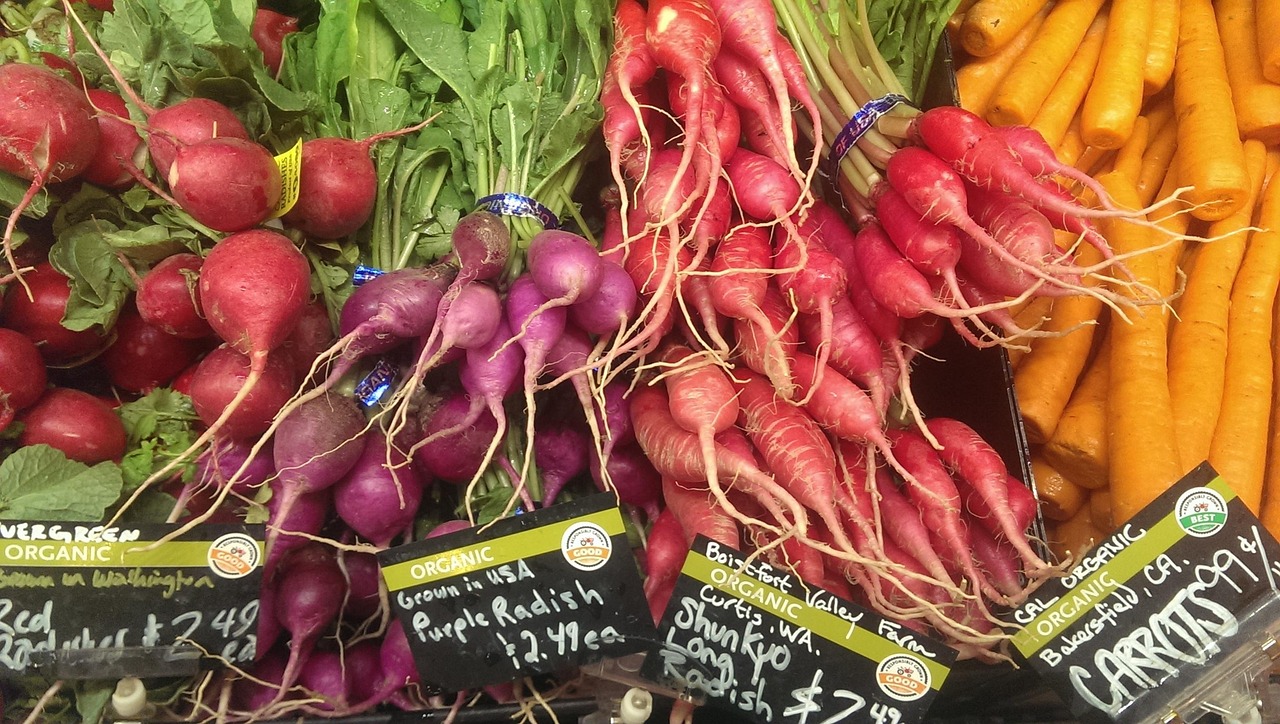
{"x": 1126, "y": 564}
{"x": 496, "y": 552}
{"x": 59, "y": 554}
{"x": 839, "y": 631}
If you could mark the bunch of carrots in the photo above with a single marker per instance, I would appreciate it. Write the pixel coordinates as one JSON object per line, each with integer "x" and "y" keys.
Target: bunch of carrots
{"x": 1148, "y": 96}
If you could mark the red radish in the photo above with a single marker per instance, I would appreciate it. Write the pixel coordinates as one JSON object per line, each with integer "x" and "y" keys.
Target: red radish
{"x": 268, "y": 31}
{"x": 312, "y": 336}
{"x": 703, "y": 401}
{"x": 119, "y": 145}
{"x": 186, "y": 123}
{"x": 227, "y": 184}
{"x": 971, "y": 458}
{"x": 379, "y": 497}
{"x": 37, "y": 313}
{"x": 746, "y": 86}
{"x": 218, "y": 392}
{"x": 665, "y": 552}
{"x": 684, "y": 37}
{"x": 47, "y": 133}
{"x": 676, "y": 454}
{"x": 338, "y": 185}
{"x": 83, "y": 427}
{"x": 62, "y": 67}
{"x": 143, "y": 357}
{"x": 22, "y": 374}
{"x": 167, "y": 297}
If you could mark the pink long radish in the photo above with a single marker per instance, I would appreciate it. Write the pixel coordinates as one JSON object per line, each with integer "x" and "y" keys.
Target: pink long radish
{"x": 856, "y": 352}
{"x": 629, "y": 69}
{"x": 970, "y": 457}
{"x": 702, "y": 401}
{"x": 665, "y": 552}
{"x": 746, "y": 86}
{"x": 818, "y": 281}
{"x": 676, "y": 454}
{"x": 684, "y": 38}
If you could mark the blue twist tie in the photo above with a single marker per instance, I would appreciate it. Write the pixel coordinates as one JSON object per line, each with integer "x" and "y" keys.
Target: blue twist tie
{"x": 375, "y": 384}
{"x": 364, "y": 273}
{"x": 858, "y": 126}
{"x": 512, "y": 204}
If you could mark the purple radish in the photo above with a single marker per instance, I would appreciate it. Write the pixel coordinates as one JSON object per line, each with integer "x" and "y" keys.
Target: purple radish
{"x": 315, "y": 446}
{"x": 308, "y": 600}
{"x": 561, "y": 453}
{"x": 379, "y": 497}
{"x": 633, "y": 476}
{"x": 268, "y": 626}
{"x": 364, "y": 672}
{"x": 364, "y": 581}
{"x": 540, "y": 328}
{"x": 306, "y": 517}
{"x": 216, "y": 466}
{"x": 325, "y": 676}
{"x": 611, "y": 306}
{"x": 458, "y": 456}
{"x": 248, "y": 695}
{"x": 564, "y": 266}
{"x": 449, "y": 526}
{"x": 469, "y": 322}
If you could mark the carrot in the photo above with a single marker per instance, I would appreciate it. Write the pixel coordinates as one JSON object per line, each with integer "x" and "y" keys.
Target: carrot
{"x": 1045, "y": 378}
{"x": 1212, "y": 161}
{"x": 1059, "y": 497}
{"x": 1270, "y": 514}
{"x": 1268, "y": 40}
{"x": 1024, "y": 88}
{"x": 977, "y": 80}
{"x": 993, "y": 24}
{"x": 1198, "y": 341}
{"x": 1239, "y": 449}
{"x": 1157, "y": 161}
{"x": 1256, "y": 99}
{"x": 1074, "y": 537}
{"x": 1162, "y": 46}
{"x": 1064, "y": 99}
{"x": 1115, "y": 98}
{"x": 1070, "y": 147}
{"x": 1128, "y": 160}
{"x": 1142, "y": 453}
{"x": 1100, "y": 512}
{"x": 1078, "y": 448}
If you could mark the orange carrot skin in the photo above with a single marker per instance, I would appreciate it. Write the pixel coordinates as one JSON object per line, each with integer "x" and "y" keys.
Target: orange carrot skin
{"x": 1268, "y": 39}
{"x": 1115, "y": 98}
{"x": 1023, "y": 90}
{"x": 991, "y": 24}
{"x": 1198, "y": 340}
{"x": 1212, "y": 157}
{"x": 1162, "y": 46}
{"x": 978, "y": 79}
{"x": 1239, "y": 450}
{"x": 1061, "y": 105}
{"x": 1256, "y": 99}
{"x": 1142, "y": 452}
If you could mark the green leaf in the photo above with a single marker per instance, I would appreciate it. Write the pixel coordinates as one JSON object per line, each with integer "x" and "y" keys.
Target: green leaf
{"x": 153, "y": 506}
{"x": 92, "y": 698}
{"x": 907, "y": 35}
{"x": 12, "y": 189}
{"x": 100, "y": 284}
{"x": 157, "y": 426}
{"x": 38, "y": 482}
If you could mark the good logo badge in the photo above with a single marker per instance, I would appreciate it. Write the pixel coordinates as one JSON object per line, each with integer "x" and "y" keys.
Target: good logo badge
{"x": 1201, "y": 512}
{"x": 903, "y": 677}
{"x": 586, "y": 546}
{"x": 233, "y": 555}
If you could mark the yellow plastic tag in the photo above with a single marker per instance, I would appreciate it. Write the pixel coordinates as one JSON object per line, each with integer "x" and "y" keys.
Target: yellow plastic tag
{"x": 290, "y": 165}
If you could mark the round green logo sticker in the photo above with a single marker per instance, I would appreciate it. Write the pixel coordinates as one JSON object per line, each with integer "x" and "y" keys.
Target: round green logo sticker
{"x": 1201, "y": 512}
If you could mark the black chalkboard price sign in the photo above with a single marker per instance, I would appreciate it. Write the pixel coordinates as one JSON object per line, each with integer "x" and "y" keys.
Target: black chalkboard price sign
{"x": 78, "y": 586}
{"x": 1152, "y": 610}
{"x": 757, "y": 641}
{"x": 532, "y": 594}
